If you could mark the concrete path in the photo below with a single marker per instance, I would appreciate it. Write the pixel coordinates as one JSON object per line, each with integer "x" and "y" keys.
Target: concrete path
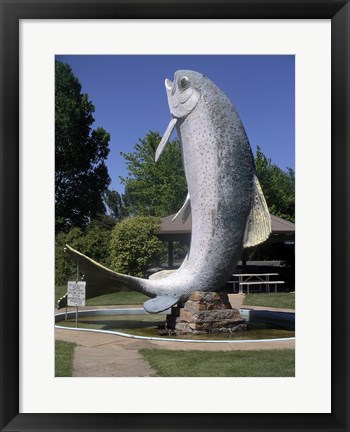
{"x": 99, "y": 354}
{"x": 236, "y": 300}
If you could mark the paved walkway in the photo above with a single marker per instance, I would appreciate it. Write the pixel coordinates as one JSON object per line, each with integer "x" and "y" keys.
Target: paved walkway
{"x": 99, "y": 354}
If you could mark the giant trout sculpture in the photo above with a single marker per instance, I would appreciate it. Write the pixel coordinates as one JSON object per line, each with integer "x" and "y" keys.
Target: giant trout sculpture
{"x": 228, "y": 208}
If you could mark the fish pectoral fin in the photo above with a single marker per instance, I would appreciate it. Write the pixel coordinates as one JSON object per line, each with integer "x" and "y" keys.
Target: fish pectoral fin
{"x": 161, "y": 274}
{"x": 165, "y": 139}
{"x": 160, "y": 303}
{"x": 184, "y": 211}
{"x": 258, "y": 227}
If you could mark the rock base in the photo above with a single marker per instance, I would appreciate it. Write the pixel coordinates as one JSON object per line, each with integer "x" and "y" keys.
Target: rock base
{"x": 203, "y": 313}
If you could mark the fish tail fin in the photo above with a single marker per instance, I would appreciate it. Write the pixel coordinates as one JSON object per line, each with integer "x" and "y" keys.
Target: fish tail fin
{"x": 101, "y": 280}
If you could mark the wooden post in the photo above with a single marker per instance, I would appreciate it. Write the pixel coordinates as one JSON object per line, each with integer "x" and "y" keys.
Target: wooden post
{"x": 170, "y": 254}
{"x": 244, "y": 260}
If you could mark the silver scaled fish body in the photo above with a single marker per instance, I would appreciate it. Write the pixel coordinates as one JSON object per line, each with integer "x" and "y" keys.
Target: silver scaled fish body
{"x": 228, "y": 208}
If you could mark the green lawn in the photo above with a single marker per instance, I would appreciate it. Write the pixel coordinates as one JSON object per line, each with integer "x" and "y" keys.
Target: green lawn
{"x": 118, "y": 298}
{"x": 276, "y": 300}
{"x": 267, "y": 363}
{"x": 60, "y": 291}
{"x": 64, "y": 352}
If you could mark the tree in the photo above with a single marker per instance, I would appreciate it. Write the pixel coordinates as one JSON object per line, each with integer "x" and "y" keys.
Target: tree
{"x": 154, "y": 188}
{"x": 134, "y": 248}
{"x": 278, "y": 186}
{"x": 115, "y": 204}
{"x": 93, "y": 241}
{"x": 81, "y": 174}
{"x": 159, "y": 188}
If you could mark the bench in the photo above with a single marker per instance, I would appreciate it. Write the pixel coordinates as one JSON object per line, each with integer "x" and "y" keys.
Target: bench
{"x": 233, "y": 283}
{"x": 267, "y": 283}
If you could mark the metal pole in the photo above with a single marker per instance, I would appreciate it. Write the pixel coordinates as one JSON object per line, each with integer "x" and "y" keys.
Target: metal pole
{"x": 76, "y": 312}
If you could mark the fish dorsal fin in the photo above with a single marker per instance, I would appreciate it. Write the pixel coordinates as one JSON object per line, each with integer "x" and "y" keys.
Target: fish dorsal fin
{"x": 160, "y": 303}
{"x": 258, "y": 226}
{"x": 184, "y": 211}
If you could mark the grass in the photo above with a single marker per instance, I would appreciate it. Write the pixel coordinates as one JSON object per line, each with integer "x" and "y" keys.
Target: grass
{"x": 133, "y": 324}
{"x": 266, "y": 363}
{"x": 276, "y": 300}
{"x": 64, "y": 352}
{"x": 118, "y": 298}
{"x": 60, "y": 291}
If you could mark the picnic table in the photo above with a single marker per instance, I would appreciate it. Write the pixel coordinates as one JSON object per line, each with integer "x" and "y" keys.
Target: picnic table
{"x": 255, "y": 279}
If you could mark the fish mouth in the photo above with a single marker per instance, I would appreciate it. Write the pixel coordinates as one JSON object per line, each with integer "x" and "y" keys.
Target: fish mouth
{"x": 169, "y": 85}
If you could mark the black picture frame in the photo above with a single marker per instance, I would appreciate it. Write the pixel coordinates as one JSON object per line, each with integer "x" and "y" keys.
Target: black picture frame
{"x": 12, "y": 11}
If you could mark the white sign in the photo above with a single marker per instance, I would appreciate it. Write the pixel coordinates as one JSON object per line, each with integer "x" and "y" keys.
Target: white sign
{"x": 76, "y": 293}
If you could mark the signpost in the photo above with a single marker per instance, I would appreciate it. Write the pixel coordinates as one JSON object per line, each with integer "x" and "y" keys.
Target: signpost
{"x": 76, "y": 296}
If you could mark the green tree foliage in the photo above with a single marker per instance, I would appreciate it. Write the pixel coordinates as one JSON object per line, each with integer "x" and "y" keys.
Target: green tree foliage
{"x": 278, "y": 187}
{"x": 134, "y": 248}
{"x": 115, "y": 204}
{"x": 81, "y": 174}
{"x": 159, "y": 188}
{"x": 92, "y": 241}
{"x": 154, "y": 188}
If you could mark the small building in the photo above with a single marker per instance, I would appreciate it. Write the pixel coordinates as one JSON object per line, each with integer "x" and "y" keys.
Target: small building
{"x": 176, "y": 231}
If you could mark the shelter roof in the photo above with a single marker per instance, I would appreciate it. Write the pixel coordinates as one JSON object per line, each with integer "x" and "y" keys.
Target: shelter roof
{"x": 176, "y": 230}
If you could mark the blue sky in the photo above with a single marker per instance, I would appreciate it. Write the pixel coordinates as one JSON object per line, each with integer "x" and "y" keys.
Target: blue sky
{"x": 130, "y": 100}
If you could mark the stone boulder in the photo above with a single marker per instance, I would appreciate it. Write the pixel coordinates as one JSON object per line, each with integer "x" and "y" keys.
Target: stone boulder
{"x": 205, "y": 312}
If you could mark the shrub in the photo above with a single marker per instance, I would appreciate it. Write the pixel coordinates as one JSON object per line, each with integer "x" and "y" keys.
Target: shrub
{"x": 93, "y": 242}
{"x": 134, "y": 248}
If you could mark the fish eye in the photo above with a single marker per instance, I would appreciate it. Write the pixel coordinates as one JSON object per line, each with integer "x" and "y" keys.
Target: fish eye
{"x": 184, "y": 83}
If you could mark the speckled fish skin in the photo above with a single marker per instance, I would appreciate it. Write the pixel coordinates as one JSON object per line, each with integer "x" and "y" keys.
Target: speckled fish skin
{"x": 219, "y": 169}
{"x": 220, "y": 174}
